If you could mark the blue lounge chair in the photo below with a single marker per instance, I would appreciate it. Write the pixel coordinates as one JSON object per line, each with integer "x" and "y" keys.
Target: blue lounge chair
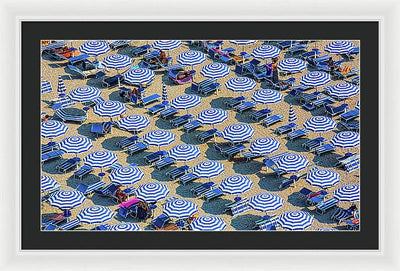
{"x": 244, "y": 107}
{"x": 68, "y": 164}
{"x": 82, "y": 172}
{"x": 282, "y": 84}
{"x": 314, "y": 61}
{"x": 187, "y": 178}
{"x": 156, "y": 108}
{"x": 313, "y": 143}
{"x": 125, "y": 143}
{"x": 179, "y": 121}
{"x": 150, "y": 99}
{"x": 271, "y": 165}
{"x": 137, "y": 147}
{"x": 297, "y": 49}
{"x": 298, "y": 90}
{"x": 101, "y": 128}
{"x": 260, "y": 114}
{"x": 68, "y": 116}
{"x": 204, "y": 136}
{"x": 116, "y": 44}
{"x": 51, "y": 146}
{"x": 234, "y": 101}
{"x": 113, "y": 81}
{"x": 65, "y": 103}
{"x": 250, "y": 156}
{"x": 272, "y": 120}
{"x": 191, "y": 126}
{"x": 352, "y": 225}
{"x": 326, "y": 148}
{"x": 169, "y": 112}
{"x": 202, "y": 188}
{"x": 107, "y": 191}
{"x": 296, "y": 134}
{"x": 140, "y": 50}
{"x": 267, "y": 223}
{"x": 350, "y": 115}
{"x": 155, "y": 156}
{"x": 318, "y": 103}
{"x": 197, "y": 87}
{"x": 342, "y": 214}
{"x": 353, "y": 125}
{"x": 324, "y": 206}
{"x": 103, "y": 227}
{"x": 336, "y": 110}
{"x": 89, "y": 189}
{"x": 309, "y": 97}
{"x": 52, "y": 155}
{"x": 212, "y": 194}
{"x": 237, "y": 207}
{"x": 355, "y": 81}
{"x": 351, "y": 54}
{"x": 70, "y": 225}
{"x": 85, "y": 74}
{"x": 77, "y": 59}
{"x": 164, "y": 162}
{"x": 94, "y": 102}
{"x": 285, "y": 44}
{"x": 342, "y": 76}
{"x": 285, "y": 128}
{"x": 177, "y": 172}
{"x": 352, "y": 166}
{"x": 50, "y": 227}
{"x": 160, "y": 221}
{"x": 317, "y": 197}
{"x": 232, "y": 151}
{"x": 214, "y": 87}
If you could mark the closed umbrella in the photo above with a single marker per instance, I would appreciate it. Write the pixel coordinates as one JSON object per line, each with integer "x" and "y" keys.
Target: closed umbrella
{"x": 292, "y": 114}
{"x": 61, "y": 89}
{"x": 164, "y": 94}
{"x": 45, "y": 87}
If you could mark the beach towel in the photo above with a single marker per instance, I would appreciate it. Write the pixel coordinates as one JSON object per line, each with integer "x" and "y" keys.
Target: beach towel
{"x": 346, "y": 70}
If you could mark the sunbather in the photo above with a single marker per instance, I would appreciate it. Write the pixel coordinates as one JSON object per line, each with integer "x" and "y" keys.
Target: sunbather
{"x": 122, "y": 197}
{"x": 183, "y": 75}
{"x": 46, "y": 118}
{"x": 274, "y": 68}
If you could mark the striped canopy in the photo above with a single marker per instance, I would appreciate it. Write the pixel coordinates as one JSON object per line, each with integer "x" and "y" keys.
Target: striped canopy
{"x": 84, "y": 94}
{"x": 315, "y": 79}
{"x": 139, "y": 76}
{"x": 292, "y": 162}
{"x": 180, "y": 209}
{"x": 243, "y": 42}
{"x": 166, "y": 44}
{"x": 186, "y": 101}
{"x": 109, "y": 109}
{"x": 152, "y": 192}
{"x": 339, "y": 47}
{"x": 75, "y": 144}
{"x": 238, "y": 132}
{"x": 101, "y": 159}
{"x": 266, "y": 51}
{"x": 208, "y": 169}
{"x": 66, "y": 199}
{"x": 117, "y": 61}
{"x": 53, "y": 128}
{"x": 208, "y": 223}
{"x": 47, "y": 183}
{"x": 184, "y": 152}
{"x": 240, "y": 84}
{"x": 236, "y": 184}
{"x": 125, "y": 226}
{"x": 61, "y": 86}
{"x": 292, "y": 65}
{"x": 191, "y": 58}
{"x": 212, "y": 116}
{"x": 94, "y": 48}
{"x": 215, "y": 70}
{"x": 159, "y": 138}
{"x": 45, "y": 87}
{"x": 319, "y": 124}
{"x": 343, "y": 90}
{"x": 267, "y": 96}
{"x": 292, "y": 114}
{"x": 322, "y": 177}
{"x": 266, "y": 202}
{"x": 95, "y": 214}
{"x": 134, "y": 122}
{"x": 350, "y": 192}
{"x": 296, "y": 220}
{"x": 346, "y": 139}
{"x": 126, "y": 175}
{"x": 164, "y": 94}
{"x": 264, "y": 145}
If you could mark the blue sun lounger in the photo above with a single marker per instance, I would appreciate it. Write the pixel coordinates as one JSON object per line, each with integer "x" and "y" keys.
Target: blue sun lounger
{"x": 156, "y": 108}
{"x": 342, "y": 214}
{"x": 285, "y": 128}
{"x": 244, "y": 107}
{"x": 150, "y": 99}
{"x": 336, "y": 110}
{"x": 113, "y": 81}
{"x": 191, "y": 126}
{"x": 269, "y": 163}
{"x": 212, "y": 194}
{"x": 326, "y": 148}
{"x": 68, "y": 164}
{"x": 285, "y": 44}
{"x": 355, "y": 81}
{"x": 260, "y": 114}
{"x": 232, "y": 151}
{"x": 179, "y": 121}
{"x": 214, "y": 87}
{"x": 350, "y": 115}
{"x": 324, "y": 206}
{"x": 341, "y": 76}
{"x": 272, "y": 120}
{"x": 164, "y": 162}
{"x": 70, "y": 225}
{"x": 316, "y": 198}
{"x": 202, "y": 188}
{"x": 116, "y": 44}
{"x": 318, "y": 103}
{"x": 64, "y": 104}
{"x": 237, "y": 207}
{"x": 175, "y": 173}
{"x": 51, "y": 146}
{"x": 101, "y": 129}
{"x": 267, "y": 223}
{"x": 352, "y": 166}
{"x": 187, "y": 178}
{"x": 314, "y": 61}
{"x": 169, "y": 112}
{"x": 125, "y": 143}
{"x": 232, "y": 102}
{"x": 350, "y": 55}
{"x": 52, "y": 155}
{"x": 141, "y": 50}
{"x": 197, "y": 87}
{"x": 297, "y": 49}
{"x": 82, "y": 172}
{"x": 250, "y": 156}
{"x": 94, "y": 102}
{"x": 160, "y": 221}
{"x": 67, "y": 116}
{"x": 137, "y": 147}
{"x": 204, "y": 136}
{"x": 353, "y": 125}
{"x": 89, "y": 189}
{"x": 313, "y": 143}
{"x": 297, "y": 134}
{"x": 155, "y": 156}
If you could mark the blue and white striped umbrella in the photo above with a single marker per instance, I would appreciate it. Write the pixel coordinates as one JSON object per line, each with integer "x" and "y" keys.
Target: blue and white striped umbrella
{"x": 152, "y": 192}
{"x": 61, "y": 89}
{"x": 208, "y": 169}
{"x": 358, "y": 105}
{"x": 292, "y": 162}
{"x": 322, "y": 177}
{"x": 292, "y": 114}
{"x": 139, "y": 76}
{"x": 243, "y": 42}
{"x": 134, "y": 122}
{"x": 319, "y": 124}
{"x": 236, "y": 184}
{"x": 66, "y": 199}
{"x": 53, "y": 128}
{"x": 215, "y": 70}
{"x": 95, "y": 214}
{"x": 186, "y": 101}
{"x": 296, "y": 220}
{"x": 164, "y": 94}
{"x": 350, "y": 192}
{"x": 109, "y": 109}
{"x": 339, "y": 47}
{"x": 101, "y": 159}
{"x": 166, "y": 44}
{"x": 315, "y": 79}
{"x": 125, "y": 226}
{"x": 84, "y": 94}
{"x": 94, "y": 48}
{"x": 346, "y": 139}
{"x": 117, "y": 61}
{"x": 75, "y": 144}
{"x": 126, "y": 175}
{"x": 343, "y": 90}
{"x": 264, "y": 145}
{"x": 266, "y": 202}
{"x": 267, "y": 96}
{"x": 240, "y": 84}
{"x": 208, "y": 223}
{"x": 180, "y": 209}
{"x": 184, "y": 152}
{"x": 191, "y": 58}
{"x": 47, "y": 183}
{"x": 212, "y": 116}
{"x": 266, "y": 51}
{"x": 159, "y": 138}
{"x": 238, "y": 132}
{"x": 292, "y": 65}
{"x": 45, "y": 87}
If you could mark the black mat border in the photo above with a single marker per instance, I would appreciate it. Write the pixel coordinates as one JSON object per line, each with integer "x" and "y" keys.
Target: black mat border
{"x": 32, "y": 32}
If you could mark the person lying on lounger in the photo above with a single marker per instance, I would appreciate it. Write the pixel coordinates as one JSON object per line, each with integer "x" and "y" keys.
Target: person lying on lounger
{"x": 182, "y": 75}
{"x": 122, "y": 197}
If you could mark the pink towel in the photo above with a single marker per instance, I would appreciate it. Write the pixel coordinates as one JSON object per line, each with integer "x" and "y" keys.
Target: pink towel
{"x": 129, "y": 203}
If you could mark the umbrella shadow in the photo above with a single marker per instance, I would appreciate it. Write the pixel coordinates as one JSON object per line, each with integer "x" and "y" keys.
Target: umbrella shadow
{"x": 163, "y": 124}
{"x": 95, "y": 82}
{"x": 138, "y": 158}
{"x": 167, "y": 82}
{"x": 102, "y": 201}
{"x": 324, "y": 218}
{"x": 115, "y": 96}
{"x": 189, "y": 138}
{"x": 318, "y": 111}
{"x": 126, "y": 50}
{"x": 244, "y": 222}
{"x": 326, "y": 160}
{"x": 291, "y": 100}
{"x": 247, "y": 168}
{"x": 88, "y": 180}
{"x": 184, "y": 190}
{"x": 215, "y": 206}
{"x": 111, "y": 143}
{"x": 296, "y": 145}
{"x": 211, "y": 154}
{"x": 160, "y": 175}
{"x": 243, "y": 117}
{"x": 50, "y": 166}
{"x": 218, "y": 103}
{"x": 296, "y": 200}
{"x": 84, "y": 130}
{"x": 269, "y": 182}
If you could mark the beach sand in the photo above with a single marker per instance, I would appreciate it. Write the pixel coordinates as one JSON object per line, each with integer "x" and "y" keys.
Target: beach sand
{"x": 263, "y": 181}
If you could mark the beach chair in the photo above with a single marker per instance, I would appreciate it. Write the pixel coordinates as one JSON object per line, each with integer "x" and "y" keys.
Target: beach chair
{"x": 267, "y": 223}
{"x": 187, "y": 178}
{"x": 286, "y": 128}
{"x": 342, "y": 214}
{"x": 103, "y": 227}
{"x": 324, "y": 206}
{"x": 164, "y": 162}
{"x": 342, "y": 76}
{"x": 175, "y": 173}
{"x": 155, "y": 156}
{"x": 260, "y": 114}
{"x": 350, "y": 125}
{"x": 299, "y": 90}
{"x": 212, "y": 194}
{"x": 232, "y": 102}
{"x": 355, "y": 81}
{"x": 150, "y": 99}
{"x": 113, "y": 81}
{"x": 52, "y": 155}
{"x": 282, "y": 84}
{"x": 350, "y": 115}
{"x": 197, "y": 87}
{"x": 191, "y": 126}
{"x": 297, "y": 134}
{"x": 125, "y": 143}
{"x": 70, "y": 225}
{"x": 160, "y": 221}
{"x": 68, "y": 116}
{"x": 318, "y": 103}
{"x": 346, "y": 158}
{"x": 326, "y": 148}
{"x": 51, "y": 146}
{"x": 82, "y": 172}
{"x": 64, "y": 104}
{"x": 179, "y": 121}
{"x": 107, "y": 191}
{"x": 314, "y": 61}
{"x": 313, "y": 143}
{"x": 232, "y": 151}
{"x": 173, "y": 76}
{"x": 68, "y": 165}
{"x": 89, "y": 189}
{"x": 351, "y": 54}
{"x": 237, "y": 207}
{"x": 137, "y": 147}
{"x": 85, "y": 74}
{"x": 202, "y": 188}
{"x": 140, "y": 50}
{"x": 214, "y": 87}
{"x": 156, "y": 108}
{"x": 117, "y": 44}
{"x": 204, "y": 136}
{"x": 336, "y": 110}
{"x": 353, "y": 224}
{"x": 169, "y": 112}
{"x": 285, "y": 44}
{"x": 244, "y": 107}
{"x": 272, "y": 120}
{"x": 297, "y": 49}
{"x": 101, "y": 129}
{"x": 269, "y": 163}
{"x": 352, "y": 166}
{"x": 317, "y": 197}
{"x": 305, "y": 98}
{"x": 250, "y": 156}
{"x": 305, "y": 193}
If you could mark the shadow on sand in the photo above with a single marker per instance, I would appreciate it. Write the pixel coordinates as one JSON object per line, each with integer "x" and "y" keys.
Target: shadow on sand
{"x": 244, "y": 222}
{"x": 215, "y": 206}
